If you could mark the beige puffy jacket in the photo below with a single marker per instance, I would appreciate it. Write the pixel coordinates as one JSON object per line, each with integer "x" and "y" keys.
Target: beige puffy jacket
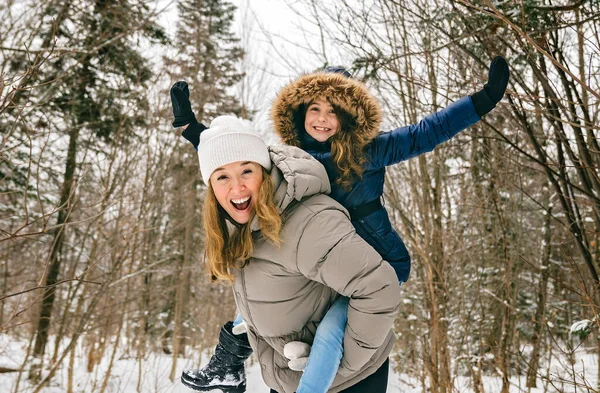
{"x": 283, "y": 293}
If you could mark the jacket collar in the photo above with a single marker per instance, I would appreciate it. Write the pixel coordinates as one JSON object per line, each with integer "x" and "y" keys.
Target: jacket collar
{"x": 310, "y": 144}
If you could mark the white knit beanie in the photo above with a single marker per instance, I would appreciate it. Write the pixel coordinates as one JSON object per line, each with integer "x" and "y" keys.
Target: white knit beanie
{"x": 227, "y": 140}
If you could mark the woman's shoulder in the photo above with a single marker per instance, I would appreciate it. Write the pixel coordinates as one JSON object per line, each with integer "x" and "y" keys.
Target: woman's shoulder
{"x": 308, "y": 207}
{"x": 321, "y": 202}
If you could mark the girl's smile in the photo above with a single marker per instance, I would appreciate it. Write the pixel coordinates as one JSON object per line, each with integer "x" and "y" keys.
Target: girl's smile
{"x": 321, "y": 121}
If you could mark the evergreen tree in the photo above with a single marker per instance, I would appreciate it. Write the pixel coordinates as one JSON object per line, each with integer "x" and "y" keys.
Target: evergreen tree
{"x": 208, "y": 57}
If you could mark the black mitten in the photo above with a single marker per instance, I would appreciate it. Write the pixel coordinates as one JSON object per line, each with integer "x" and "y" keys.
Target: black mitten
{"x": 486, "y": 99}
{"x": 182, "y": 109}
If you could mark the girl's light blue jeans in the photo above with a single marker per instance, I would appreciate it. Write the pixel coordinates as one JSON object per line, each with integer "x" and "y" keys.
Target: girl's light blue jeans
{"x": 238, "y": 320}
{"x": 326, "y": 351}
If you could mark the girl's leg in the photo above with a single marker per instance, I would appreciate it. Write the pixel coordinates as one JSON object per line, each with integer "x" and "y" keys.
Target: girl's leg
{"x": 238, "y": 320}
{"x": 326, "y": 352}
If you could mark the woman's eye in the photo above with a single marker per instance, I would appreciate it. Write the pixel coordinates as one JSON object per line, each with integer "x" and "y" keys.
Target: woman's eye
{"x": 247, "y": 171}
{"x": 222, "y": 177}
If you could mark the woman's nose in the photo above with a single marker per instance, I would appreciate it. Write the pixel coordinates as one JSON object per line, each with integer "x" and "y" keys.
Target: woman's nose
{"x": 238, "y": 184}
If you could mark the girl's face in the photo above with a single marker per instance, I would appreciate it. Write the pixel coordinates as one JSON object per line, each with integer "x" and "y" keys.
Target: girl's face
{"x": 320, "y": 121}
{"x": 236, "y": 187}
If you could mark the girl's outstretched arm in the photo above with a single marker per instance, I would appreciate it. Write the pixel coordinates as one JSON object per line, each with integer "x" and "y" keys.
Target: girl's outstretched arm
{"x": 391, "y": 147}
{"x": 192, "y": 133}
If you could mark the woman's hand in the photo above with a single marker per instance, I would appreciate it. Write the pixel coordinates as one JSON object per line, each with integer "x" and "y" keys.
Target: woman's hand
{"x": 297, "y": 352}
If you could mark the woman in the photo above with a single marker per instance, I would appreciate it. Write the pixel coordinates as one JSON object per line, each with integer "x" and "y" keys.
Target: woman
{"x": 290, "y": 252}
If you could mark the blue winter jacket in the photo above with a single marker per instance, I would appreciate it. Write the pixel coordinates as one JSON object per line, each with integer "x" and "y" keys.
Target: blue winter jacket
{"x": 380, "y": 149}
{"x": 386, "y": 149}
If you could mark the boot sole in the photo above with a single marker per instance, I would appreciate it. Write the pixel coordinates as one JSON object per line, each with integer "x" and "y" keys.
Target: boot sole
{"x": 223, "y": 388}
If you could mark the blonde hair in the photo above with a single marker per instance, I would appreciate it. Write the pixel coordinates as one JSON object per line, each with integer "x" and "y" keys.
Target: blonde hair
{"x": 225, "y": 251}
{"x": 347, "y": 151}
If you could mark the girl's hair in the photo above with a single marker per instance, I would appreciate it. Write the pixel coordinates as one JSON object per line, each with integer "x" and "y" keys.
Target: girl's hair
{"x": 346, "y": 153}
{"x": 226, "y": 251}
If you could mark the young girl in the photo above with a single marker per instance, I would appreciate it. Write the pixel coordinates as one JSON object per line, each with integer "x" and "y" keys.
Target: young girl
{"x": 289, "y": 252}
{"x": 336, "y": 120}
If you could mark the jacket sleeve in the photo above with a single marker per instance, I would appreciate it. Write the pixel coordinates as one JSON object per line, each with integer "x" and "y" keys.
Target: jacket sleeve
{"x": 192, "y": 133}
{"x": 391, "y": 147}
{"x": 330, "y": 252}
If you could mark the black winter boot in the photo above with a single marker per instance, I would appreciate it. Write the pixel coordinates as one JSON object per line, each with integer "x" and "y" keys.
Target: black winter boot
{"x": 225, "y": 370}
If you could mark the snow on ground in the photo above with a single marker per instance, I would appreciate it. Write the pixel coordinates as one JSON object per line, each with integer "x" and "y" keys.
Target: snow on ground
{"x": 156, "y": 369}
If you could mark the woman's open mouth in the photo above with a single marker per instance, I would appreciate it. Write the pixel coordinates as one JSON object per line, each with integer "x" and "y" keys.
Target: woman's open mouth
{"x": 241, "y": 204}
{"x": 322, "y": 129}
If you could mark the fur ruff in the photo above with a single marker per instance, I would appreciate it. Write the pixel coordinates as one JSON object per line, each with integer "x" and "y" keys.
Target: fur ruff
{"x": 347, "y": 94}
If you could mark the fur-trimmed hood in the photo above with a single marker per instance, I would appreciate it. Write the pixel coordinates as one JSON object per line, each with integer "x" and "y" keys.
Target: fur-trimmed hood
{"x": 345, "y": 93}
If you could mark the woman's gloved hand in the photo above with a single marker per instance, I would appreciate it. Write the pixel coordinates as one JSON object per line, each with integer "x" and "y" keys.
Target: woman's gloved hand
{"x": 297, "y": 352}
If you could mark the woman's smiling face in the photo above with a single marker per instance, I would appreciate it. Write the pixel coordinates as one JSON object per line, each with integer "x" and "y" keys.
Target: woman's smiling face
{"x": 321, "y": 121}
{"x": 236, "y": 187}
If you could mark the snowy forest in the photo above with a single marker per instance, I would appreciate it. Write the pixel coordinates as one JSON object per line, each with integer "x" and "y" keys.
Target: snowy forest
{"x": 103, "y": 285}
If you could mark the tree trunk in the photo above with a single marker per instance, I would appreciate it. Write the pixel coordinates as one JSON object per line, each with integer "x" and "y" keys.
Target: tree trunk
{"x": 51, "y": 277}
{"x": 142, "y": 329}
{"x": 71, "y": 294}
{"x": 183, "y": 282}
{"x": 114, "y": 351}
{"x": 507, "y": 314}
{"x": 5, "y": 275}
{"x": 435, "y": 188}
{"x": 539, "y": 321}
{"x": 76, "y": 319}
